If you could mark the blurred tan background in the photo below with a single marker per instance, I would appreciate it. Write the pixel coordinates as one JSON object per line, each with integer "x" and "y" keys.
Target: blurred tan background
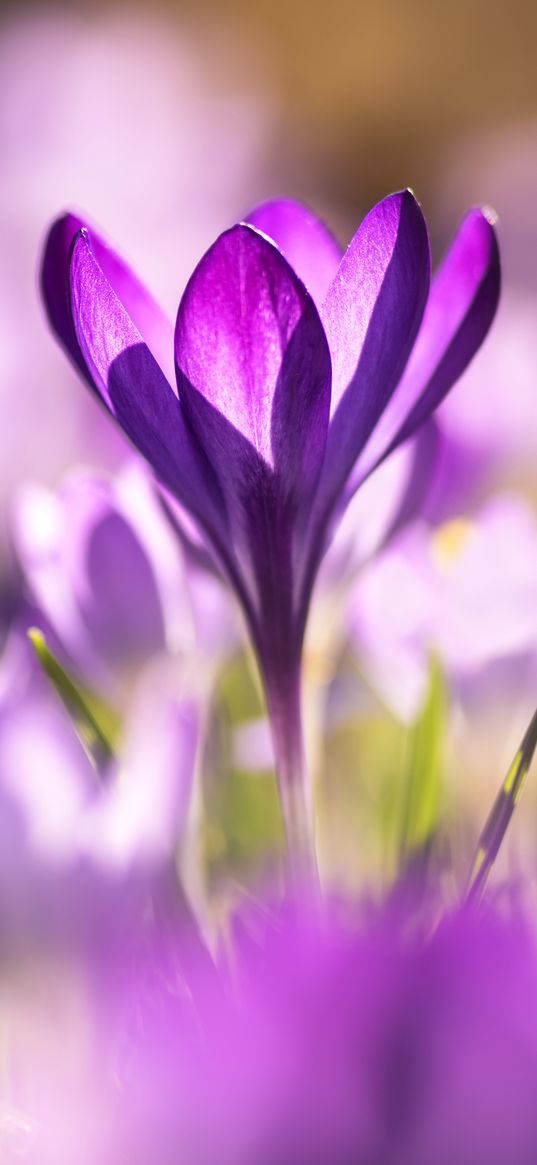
{"x": 368, "y": 96}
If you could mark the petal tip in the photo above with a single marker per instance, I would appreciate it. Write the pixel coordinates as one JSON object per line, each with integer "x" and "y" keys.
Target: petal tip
{"x": 490, "y": 215}
{"x": 405, "y": 203}
{"x": 252, "y": 229}
{"x": 408, "y": 194}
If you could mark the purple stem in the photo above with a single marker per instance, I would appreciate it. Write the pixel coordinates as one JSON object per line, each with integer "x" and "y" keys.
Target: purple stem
{"x": 283, "y": 692}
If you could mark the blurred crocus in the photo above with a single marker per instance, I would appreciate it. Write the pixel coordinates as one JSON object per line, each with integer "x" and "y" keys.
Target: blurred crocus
{"x": 465, "y": 592}
{"x": 330, "y": 1041}
{"x": 289, "y": 393}
{"x": 110, "y": 579}
{"x": 85, "y": 840}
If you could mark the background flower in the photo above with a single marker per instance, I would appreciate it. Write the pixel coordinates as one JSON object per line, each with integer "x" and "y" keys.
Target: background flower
{"x": 86, "y": 840}
{"x": 108, "y": 576}
{"x": 465, "y": 593}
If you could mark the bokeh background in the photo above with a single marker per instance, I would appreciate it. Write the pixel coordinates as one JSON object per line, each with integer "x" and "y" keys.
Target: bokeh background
{"x": 363, "y": 96}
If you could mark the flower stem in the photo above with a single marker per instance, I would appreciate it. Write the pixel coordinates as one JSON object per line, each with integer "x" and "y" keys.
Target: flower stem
{"x": 284, "y": 706}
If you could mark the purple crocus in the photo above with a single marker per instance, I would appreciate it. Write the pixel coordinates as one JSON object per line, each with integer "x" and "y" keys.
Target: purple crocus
{"x": 298, "y": 371}
{"x": 101, "y": 565}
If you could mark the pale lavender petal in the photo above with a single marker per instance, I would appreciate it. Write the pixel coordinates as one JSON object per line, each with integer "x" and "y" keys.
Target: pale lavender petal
{"x": 424, "y": 453}
{"x": 145, "y": 313}
{"x": 461, "y": 306}
{"x": 465, "y": 593}
{"x": 139, "y": 499}
{"x": 105, "y": 571}
{"x": 133, "y": 387}
{"x": 46, "y": 774}
{"x": 253, "y": 368}
{"x": 305, "y": 241}
{"x": 112, "y": 578}
{"x": 47, "y": 783}
{"x": 389, "y": 619}
{"x": 137, "y": 823}
{"x": 371, "y": 316}
{"x": 78, "y": 852}
{"x": 460, "y": 475}
{"x": 38, "y": 531}
{"x": 486, "y": 590}
{"x": 385, "y": 503}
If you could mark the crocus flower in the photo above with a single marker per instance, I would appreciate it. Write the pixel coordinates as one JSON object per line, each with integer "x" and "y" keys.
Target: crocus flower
{"x": 298, "y": 372}
{"x": 85, "y": 842}
{"x": 466, "y": 592}
{"x": 109, "y": 578}
{"x": 332, "y": 1041}
{"x": 102, "y": 568}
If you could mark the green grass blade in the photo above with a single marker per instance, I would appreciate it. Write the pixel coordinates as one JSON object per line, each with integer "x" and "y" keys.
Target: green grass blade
{"x": 89, "y": 721}
{"x": 500, "y": 815}
{"x": 420, "y": 810}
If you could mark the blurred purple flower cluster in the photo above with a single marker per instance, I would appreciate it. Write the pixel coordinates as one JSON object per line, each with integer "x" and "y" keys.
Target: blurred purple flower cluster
{"x": 322, "y": 1039}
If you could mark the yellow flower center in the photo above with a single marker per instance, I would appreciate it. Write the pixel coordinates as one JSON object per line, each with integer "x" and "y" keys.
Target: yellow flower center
{"x": 448, "y": 542}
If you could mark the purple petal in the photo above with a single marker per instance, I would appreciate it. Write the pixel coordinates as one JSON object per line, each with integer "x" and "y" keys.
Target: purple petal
{"x": 55, "y": 284}
{"x": 145, "y": 313}
{"x": 104, "y": 570}
{"x": 253, "y": 368}
{"x": 371, "y": 316}
{"x": 461, "y": 307}
{"x": 304, "y": 240}
{"x": 112, "y": 577}
{"x": 135, "y": 390}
